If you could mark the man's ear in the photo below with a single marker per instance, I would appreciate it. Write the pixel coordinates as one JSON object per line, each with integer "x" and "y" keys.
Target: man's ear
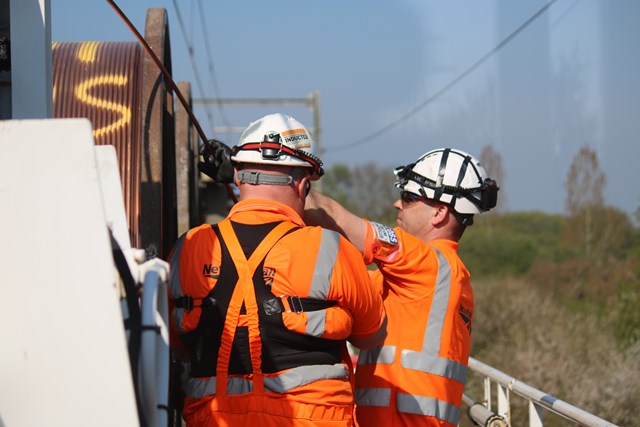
{"x": 303, "y": 187}
{"x": 236, "y": 180}
{"x": 441, "y": 214}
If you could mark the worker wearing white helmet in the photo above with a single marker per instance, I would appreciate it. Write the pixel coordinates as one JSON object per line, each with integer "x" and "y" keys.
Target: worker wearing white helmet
{"x": 265, "y": 304}
{"x": 416, "y": 376}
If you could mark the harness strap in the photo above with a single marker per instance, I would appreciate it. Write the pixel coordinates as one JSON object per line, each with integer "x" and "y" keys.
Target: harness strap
{"x": 244, "y": 293}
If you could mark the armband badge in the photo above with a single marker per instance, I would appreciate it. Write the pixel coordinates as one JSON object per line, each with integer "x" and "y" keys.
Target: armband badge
{"x": 385, "y": 235}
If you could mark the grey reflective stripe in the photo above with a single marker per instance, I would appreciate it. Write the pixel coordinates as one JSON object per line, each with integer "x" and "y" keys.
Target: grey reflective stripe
{"x": 302, "y": 375}
{"x": 421, "y": 405}
{"x": 428, "y": 359}
{"x": 178, "y": 318}
{"x": 315, "y": 322}
{"x": 409, "y": 404}
{"x": 237, "y": 385}
{"x": 382, "y": 355}
{"x": 198, "y": 388}
{"x": 175, "y": 286}
{"x": 434, "y": 365}
{"x": 288, "y": 380}
{"x": 373, "y": 396}
{"x": 327, "y": 254}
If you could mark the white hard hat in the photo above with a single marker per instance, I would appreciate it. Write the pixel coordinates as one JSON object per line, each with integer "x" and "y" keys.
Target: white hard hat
{"x": 278, "y": 139}
{"x": 452, "y": 177}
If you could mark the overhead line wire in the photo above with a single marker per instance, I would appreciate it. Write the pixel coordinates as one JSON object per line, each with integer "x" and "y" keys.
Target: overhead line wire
{"x": 447, "y": 87}
{"x": 192, "y": 60}
{"x": 212, "y": 73}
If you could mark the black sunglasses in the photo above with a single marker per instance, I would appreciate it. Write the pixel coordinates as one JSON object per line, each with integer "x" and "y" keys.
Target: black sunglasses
{"x": 408, "y": 197}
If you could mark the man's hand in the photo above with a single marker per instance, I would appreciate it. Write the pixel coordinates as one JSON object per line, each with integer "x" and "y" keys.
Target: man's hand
{"x": 217, "y": 162}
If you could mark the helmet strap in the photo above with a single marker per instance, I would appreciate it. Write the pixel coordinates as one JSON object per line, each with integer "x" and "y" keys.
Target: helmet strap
{"x": 259, "y": 178}
{"x": 439, "y": 187}
{"x": 464, "y": 219}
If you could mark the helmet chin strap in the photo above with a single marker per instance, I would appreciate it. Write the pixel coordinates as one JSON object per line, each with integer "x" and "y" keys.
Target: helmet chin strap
{"x": 258, "y": 178}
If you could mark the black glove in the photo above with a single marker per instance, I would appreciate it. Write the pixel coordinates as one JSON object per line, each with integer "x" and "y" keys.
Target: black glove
{"x": 217, "y": 162}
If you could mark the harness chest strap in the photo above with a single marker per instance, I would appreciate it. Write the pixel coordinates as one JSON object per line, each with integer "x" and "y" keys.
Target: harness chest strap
{"x": 244, "y": 292}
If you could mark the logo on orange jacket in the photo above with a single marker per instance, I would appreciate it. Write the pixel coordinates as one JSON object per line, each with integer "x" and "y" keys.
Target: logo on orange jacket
{"x": 211, "y": 271}
{"x": 268, "y": 273}
{"x": 466, "y": 315}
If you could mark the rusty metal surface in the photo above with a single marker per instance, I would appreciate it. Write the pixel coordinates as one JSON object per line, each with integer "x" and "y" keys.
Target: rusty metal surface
{"x": 101, "y": 81}
{"x": 120, "y": 89}
{"x": 158, "y": 182}
{"x": 187, "y": 175}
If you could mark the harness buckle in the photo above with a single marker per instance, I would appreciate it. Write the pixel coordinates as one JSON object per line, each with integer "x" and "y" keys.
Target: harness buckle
{"x": 292, "y": 304}
{"x": 185, "y": 302}
{"x": 295, "y": 303}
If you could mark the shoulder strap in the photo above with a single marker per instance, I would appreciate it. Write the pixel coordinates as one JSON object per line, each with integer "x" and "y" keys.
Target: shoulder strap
{"x": 244, "y": 292}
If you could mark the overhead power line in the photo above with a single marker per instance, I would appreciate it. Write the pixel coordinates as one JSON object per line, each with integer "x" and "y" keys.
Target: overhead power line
{"x": 192, "y": 60}
{"x": 447, "y": 87}
{"x": 212, "y": 72}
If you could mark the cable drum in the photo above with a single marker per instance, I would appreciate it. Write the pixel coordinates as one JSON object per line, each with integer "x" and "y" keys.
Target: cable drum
{"x": 101, "y": 81}
{"x": 121, "y": 91}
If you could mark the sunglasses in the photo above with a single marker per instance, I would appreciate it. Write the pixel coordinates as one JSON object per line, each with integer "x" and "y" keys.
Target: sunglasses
{"x": 408, "y": 197}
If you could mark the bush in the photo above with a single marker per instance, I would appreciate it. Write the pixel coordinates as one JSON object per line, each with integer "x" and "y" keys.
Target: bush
{"x": 533, "y": 337}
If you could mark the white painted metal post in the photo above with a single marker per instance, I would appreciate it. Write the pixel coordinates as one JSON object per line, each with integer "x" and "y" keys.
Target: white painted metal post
{"x": 536, "y": 415}
{"x": 504, "y": 404}
{"x": 31, "y": 76}
{"x": 487, "y": 392}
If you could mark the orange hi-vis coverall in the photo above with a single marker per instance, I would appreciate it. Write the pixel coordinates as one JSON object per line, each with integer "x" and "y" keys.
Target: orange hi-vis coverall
{"x": 264, "y": 305}
{"x": 417, "y": 376}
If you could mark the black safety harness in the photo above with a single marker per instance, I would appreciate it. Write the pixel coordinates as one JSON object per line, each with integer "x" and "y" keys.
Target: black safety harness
{"x": 281, "y": 348}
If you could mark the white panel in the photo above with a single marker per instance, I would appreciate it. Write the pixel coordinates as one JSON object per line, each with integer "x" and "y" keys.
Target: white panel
{"x": 64, "y": 360}
{"x": 113, "y": 202}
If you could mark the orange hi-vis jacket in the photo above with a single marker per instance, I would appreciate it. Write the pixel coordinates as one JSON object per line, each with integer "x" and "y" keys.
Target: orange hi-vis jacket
{"x": 417, "y": 376}
{"x": 266, "y": 319}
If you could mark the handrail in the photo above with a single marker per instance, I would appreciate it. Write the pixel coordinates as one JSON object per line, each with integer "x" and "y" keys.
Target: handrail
{"x": 538, "y": 400}
{"x": 480, "y": 415}
{"x": 154, "y": 354}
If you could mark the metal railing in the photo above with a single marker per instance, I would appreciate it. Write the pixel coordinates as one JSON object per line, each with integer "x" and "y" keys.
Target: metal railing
{"x": 538, "y": 402}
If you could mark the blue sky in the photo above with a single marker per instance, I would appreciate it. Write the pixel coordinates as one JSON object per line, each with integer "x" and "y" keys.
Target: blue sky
{"x": 567, "y": 80}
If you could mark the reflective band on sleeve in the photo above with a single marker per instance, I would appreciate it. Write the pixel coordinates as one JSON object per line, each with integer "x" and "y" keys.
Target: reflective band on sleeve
{"x": 428, "y": 359}
{"x": 382, "y": 355}
{"x": 288, "y": 380}
{"x": 421, "y": 405}
{"x": 373, "y": 397}
{"x": 321, "y": 282}
{"x": 175, "y": 286}
{"x": 315, "y": 322}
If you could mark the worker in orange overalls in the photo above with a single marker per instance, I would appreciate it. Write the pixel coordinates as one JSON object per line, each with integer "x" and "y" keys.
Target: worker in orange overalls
{"x": 263, "y": 303}
{"x": 416, "y": 376}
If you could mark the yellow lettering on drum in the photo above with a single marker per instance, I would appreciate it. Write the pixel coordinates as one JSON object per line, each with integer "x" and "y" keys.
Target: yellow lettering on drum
{"x": 82, "y": 94}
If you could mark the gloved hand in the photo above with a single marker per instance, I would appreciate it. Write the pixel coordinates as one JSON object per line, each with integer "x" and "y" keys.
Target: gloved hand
{"x": 217, "y": 164}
